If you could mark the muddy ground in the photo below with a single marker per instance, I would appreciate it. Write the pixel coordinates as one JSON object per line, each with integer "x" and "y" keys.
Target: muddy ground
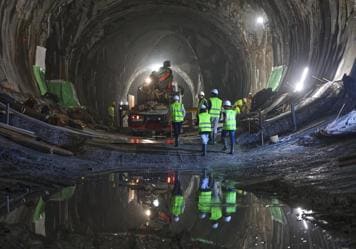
{"x": 301, "y": 170}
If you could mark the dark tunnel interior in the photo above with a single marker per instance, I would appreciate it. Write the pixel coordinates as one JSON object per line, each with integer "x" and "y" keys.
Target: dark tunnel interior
{"x": 78, "y": 170}
{"x": 104, "y": 46}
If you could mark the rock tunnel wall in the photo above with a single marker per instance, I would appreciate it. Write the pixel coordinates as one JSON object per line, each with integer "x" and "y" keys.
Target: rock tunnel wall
{"x": 230, "y": 51}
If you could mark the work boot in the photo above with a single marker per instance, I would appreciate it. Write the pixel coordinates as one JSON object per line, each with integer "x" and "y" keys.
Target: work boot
{"x": 225, "y": 145}
{"x": 232, "y": 149}
{"x": 176, "y": 142}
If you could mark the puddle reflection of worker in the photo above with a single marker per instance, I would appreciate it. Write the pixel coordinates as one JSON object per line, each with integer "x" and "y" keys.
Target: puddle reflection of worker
{"x": 229, "y": 193}
{"x": 204, "y": 199}
{"x": 177, "y": 200}
{"x": 216, "y": 212}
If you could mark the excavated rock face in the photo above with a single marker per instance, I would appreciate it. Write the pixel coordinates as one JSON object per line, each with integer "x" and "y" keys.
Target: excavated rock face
{"x": 107, "y": 47}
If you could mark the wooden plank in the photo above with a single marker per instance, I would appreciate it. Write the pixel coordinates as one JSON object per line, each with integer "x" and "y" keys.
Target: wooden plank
{"x": 18, "y": 130}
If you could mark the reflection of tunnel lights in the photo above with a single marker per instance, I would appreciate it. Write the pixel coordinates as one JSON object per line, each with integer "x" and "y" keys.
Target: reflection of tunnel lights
{"x": 156, "y": 202}
{"x": 300, "y": 85}
{"x": 155, "y": 67}
{"x": 260, "y": 20}
{"x": 148, "y": 80}
{"x": 148, "y": 213}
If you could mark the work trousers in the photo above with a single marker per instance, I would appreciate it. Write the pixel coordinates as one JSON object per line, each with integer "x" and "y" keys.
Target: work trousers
{"x": 177, "y": 127}
{"x": 204, "y": 138}
{"x": 214, "y": 125}
{"x": 231, "y": 134}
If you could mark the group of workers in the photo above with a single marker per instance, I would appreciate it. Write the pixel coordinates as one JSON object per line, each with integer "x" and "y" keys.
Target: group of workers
{"x": 209, "y": 113}
{"x": 216, "y": 200}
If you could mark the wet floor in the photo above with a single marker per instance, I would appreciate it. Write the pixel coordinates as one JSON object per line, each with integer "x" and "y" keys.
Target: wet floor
{"x": 160, "y": 210}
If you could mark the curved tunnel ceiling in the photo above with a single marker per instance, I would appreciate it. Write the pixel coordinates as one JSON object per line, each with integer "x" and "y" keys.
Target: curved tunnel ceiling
{"x": 99, "y": 45}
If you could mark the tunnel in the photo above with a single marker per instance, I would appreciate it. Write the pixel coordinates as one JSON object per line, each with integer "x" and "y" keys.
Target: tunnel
{"x": 74, "y": 81}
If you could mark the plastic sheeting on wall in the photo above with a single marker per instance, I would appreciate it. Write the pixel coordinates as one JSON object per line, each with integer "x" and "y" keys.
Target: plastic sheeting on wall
{"x": 275, "y": 77}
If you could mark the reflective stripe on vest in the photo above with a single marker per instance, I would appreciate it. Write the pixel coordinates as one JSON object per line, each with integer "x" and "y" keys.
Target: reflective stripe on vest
{"x": 177, "y": 112}
{"x": 230, "y": 120}
{"x": 204, "y": 202}
{"x": 204, "y": 122}
{"x": 230, "y": 199}
{"x": 215, "y": 109}
{"x": 216, "y": 210}
{"x": 177, "y": 205}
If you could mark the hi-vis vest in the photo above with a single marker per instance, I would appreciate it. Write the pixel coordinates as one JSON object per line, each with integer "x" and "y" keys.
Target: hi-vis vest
{"x": 177, "y": 112}
{"x": 216, "y": 105}
{"x": 230, "y": 199}
{"x": 216, "y": 210}
{"x": 204, "y": 122}
{"x": 177, "y": 205}
{"x": 230, "y": 120}
{"x": 204, "y": 202}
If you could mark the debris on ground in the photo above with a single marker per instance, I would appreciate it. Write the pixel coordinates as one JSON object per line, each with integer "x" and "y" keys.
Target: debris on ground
{"x": 345, "y": 125}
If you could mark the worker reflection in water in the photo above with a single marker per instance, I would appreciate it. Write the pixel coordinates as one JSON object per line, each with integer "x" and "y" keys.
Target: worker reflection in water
{"x": 204, "y": 199}
{"x": 215, "y": 104}
{"x": 229, "y": 125}
{"x": 229, "y": 193}
{"x": 216, "y": 208}
{"x": 177, "y": 200}
{"x": 177, "y": 114}
{"x": 111, "y": 114}
{"x": 204, "y": 124}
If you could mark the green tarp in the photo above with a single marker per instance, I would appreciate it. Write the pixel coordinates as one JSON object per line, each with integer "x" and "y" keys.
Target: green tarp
{"x": 39, "y": 210}
{"x": 276, "y": 211}
{"x": 65, "y": 92}
{"x": 276, "y": 77}
{"x": 40, "y": 79}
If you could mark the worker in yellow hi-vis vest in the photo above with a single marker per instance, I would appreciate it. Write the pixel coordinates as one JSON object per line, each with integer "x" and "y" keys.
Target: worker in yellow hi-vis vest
{"x": 215, "y": 104}
{"x": 229, "y": 127}
{"x": 111, "y": 114}
{"x": 177, "y": 114}
{"x": 177, "y": 200}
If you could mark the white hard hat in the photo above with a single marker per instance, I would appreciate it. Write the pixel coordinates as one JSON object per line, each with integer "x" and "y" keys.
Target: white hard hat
{"x": 215, "y": 91}
{"x": 176, "y": 97}
{"x": 202, "y": 216}
{"x": 227, "y": 219}
{"x": 176, "y": 218}
{"x": 215, "y": 225}
{"x": 201, "y": 93}
{"x": 203, "y": 107}
{"x": 227, "y": 103}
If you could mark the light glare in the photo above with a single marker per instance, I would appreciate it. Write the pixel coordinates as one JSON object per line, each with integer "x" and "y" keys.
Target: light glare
{"x": 148, "y": 213}
{"x": 300, "y": 84}
{"x": 156, "y": 202}
{"x": 148, "y": 80}
{"x": 155, "y": 67}
{"x": 260, "y": 20}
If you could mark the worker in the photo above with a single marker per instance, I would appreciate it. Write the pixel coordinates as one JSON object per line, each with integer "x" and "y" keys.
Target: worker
{"x": 204, "y": 199}
{"x": 229, "y": 125}
{"x": 202, "y": 100}
{"x": 111, "y": 114}
{"x": 177, "y": 114}
{"x": 215, "y": 104}
{"x": 216, "y": 209}
{"x": 229, "y": 192}
{"x": 177, "y": 200}
{"x": 238, "y": 105}
{"x": 204, "y": 124}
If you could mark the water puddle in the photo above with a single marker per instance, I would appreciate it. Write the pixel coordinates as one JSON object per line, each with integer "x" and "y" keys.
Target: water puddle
{"x": 159, "y": 210}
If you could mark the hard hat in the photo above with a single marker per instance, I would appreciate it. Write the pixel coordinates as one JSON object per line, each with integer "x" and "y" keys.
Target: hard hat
{"x": 227, "y": 219}
{"x": 201, "y": 93}
{"x": 176, "y": 97}
{"x": 176, "y": 218}
{"x": 203, "y": 107}
{"x": 215, "y": 225}
{"x": 215, "y": 91}
{"x": 239, "y": 102}
{"x": 202, "y": 216}
{"x": 167, "y": 63}
{"x": 227, "y": 103}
